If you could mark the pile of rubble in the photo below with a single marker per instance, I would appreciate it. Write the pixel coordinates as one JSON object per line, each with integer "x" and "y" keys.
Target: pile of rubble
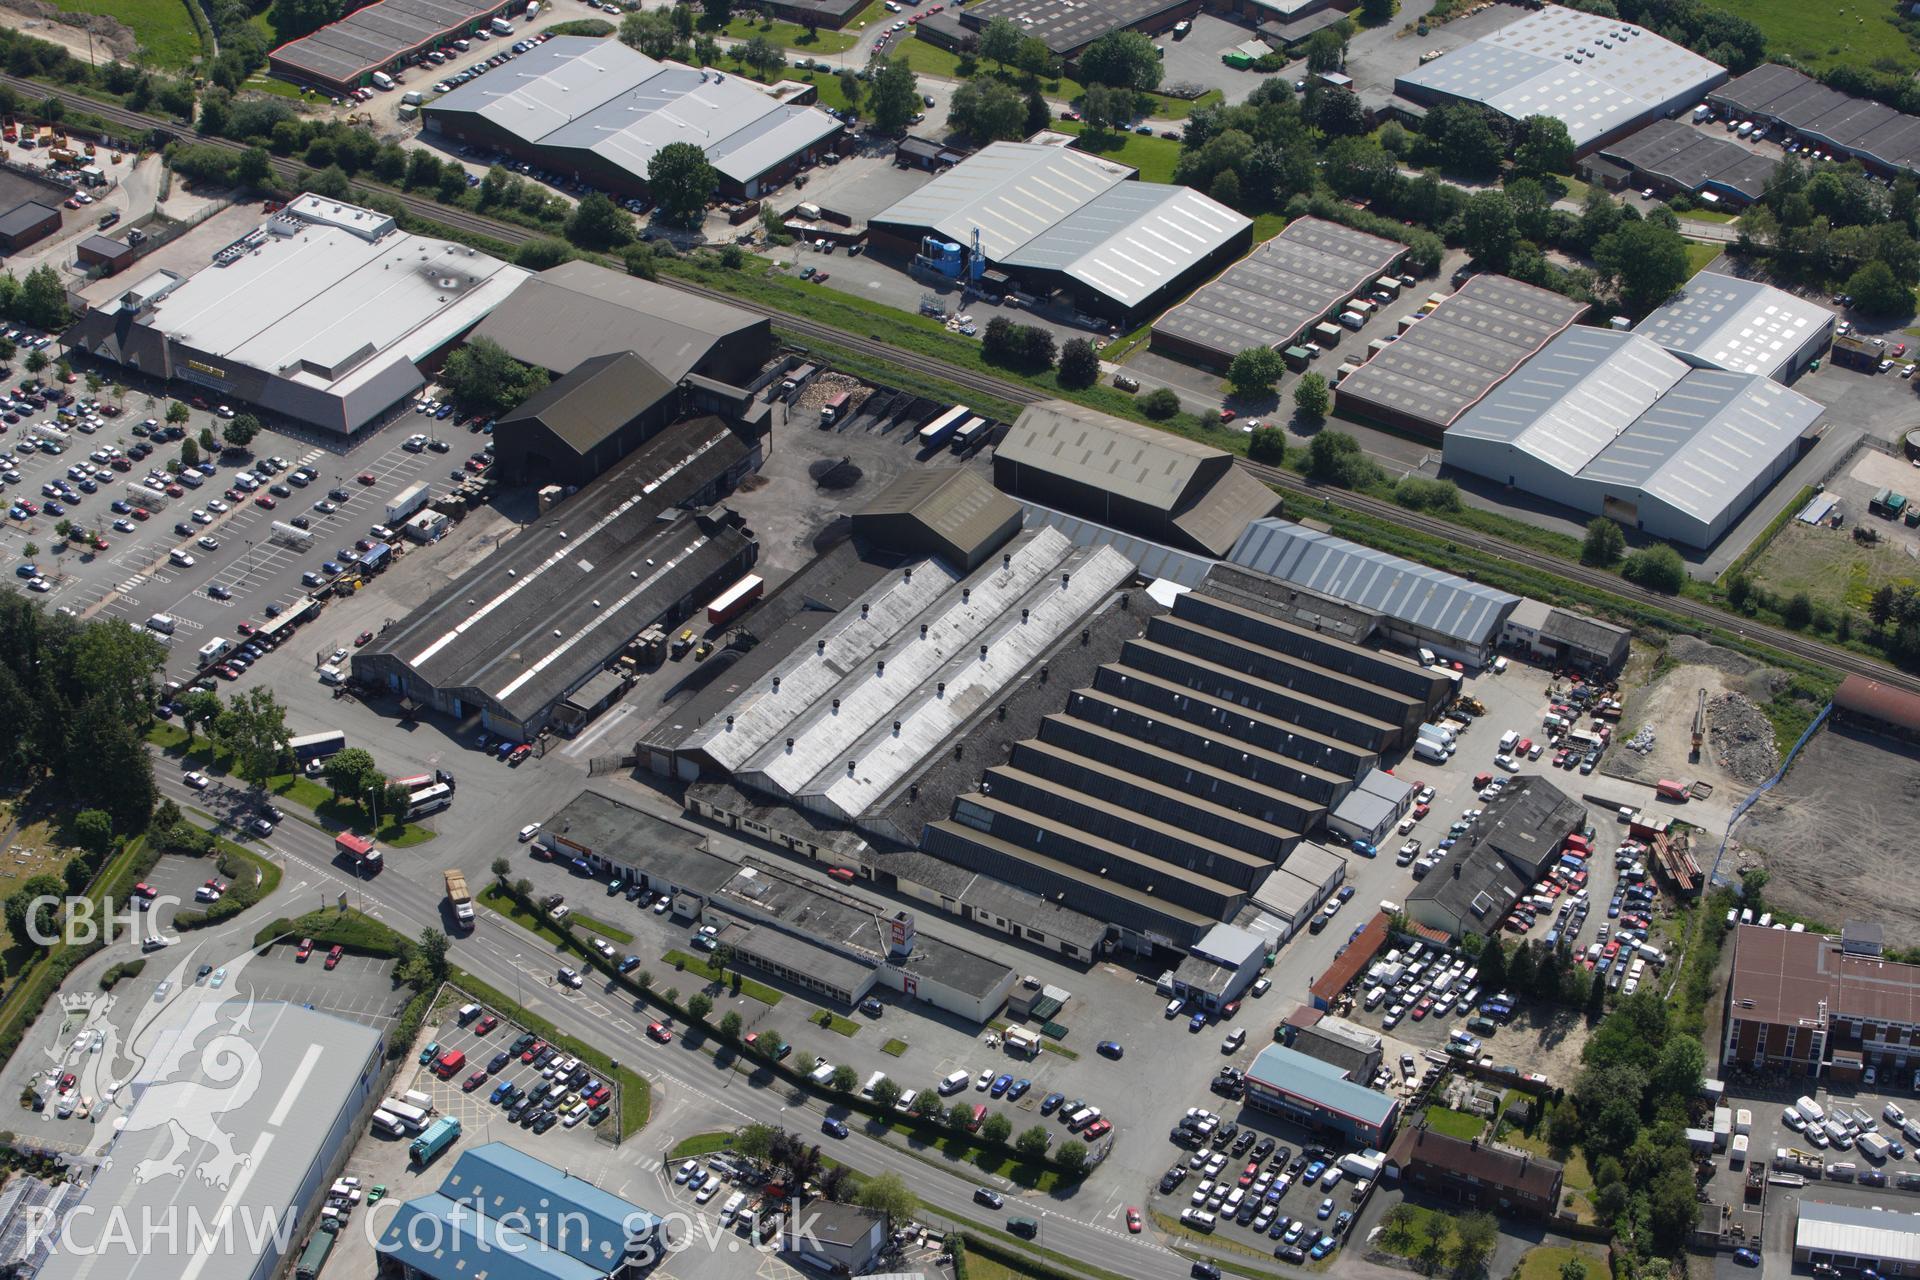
{"x": 1641, "y": 741}
{"x": 1741, "y": 737}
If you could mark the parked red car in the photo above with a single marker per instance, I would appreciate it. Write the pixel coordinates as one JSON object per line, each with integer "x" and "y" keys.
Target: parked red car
{"x": 485, "y": 1025}
{"x": 336, "y": 955}
{"x": 306, "y": 949}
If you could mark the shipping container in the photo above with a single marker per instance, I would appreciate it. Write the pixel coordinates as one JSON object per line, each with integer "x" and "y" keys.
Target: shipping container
{"x": 937, "y": 431}
{"x": 730, "y": 603}
{"x": 407, "y": 501}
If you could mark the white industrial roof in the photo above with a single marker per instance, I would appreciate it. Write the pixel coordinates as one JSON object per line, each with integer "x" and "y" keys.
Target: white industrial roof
{"x": 1593, "y": 73}
{"x": 1132, "y": 239}
{"x": 601, "y": 96}
{"x": 1742, "y": 326}
{"x": 1611, "y": 407}
{"x": 1857, "y": 1231}
{"x": 325, "y": 306}
{"x": 1008, "y": 191}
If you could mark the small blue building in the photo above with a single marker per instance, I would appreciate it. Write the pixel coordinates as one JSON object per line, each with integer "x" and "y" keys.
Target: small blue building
{"x": 1319, "y": 1095}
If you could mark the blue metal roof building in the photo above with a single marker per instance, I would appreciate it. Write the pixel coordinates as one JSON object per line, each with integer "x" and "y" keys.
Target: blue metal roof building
{"x": 1319, "y": 1095}
{"x": 562, "y": 1227}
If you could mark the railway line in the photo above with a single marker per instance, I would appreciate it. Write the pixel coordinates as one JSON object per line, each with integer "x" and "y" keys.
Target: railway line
{"x": 1794, "y": 645}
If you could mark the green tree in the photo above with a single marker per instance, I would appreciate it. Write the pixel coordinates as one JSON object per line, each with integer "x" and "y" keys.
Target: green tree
{"x": 885, "y": 1093}
{"x": 425, "y": 964}
{"x": 1335, "y": 457}
{"x": 200, "y": 707}
{"x": 1376, "y": 12}
{"x": 189, "y": 452}
{"x": 209, "y": 442}
{"x": 43, "y": 300}
{"x": 1312, "y": 399}
{"x": 393, "y": 799}
{"x": 853, "y": 89}
{"x": 1877, "y": 293}
{"x": 177, "y": 412}
{"x": 1488, "y": 230}
{"x": 1269, "y": 445}
{"x": 34, "y": 908}
{"x": 763, "y": 55}
{"x": 1032, "y": 1143}
{"x": 502, "y": 869}
{"x": 959, "y": 1117}
{"x": 1254, "y": 371}
{"x": 717, "y": 12}
{"x": 483, "y": 378}
{"x": 999, "y": 41}
{"x": 1474, "y": 1236}
{"x": 1160, "y": 404}
{"x": 894, "y": 95}
{"x": 1645, "y": 260}
{"x": 1072, "y": 1156}
{"x": 1544, "y": 146}
{"x": 254, "y": 168}
{"x": 887, "y": 1193}
{"x": 996, "y": 1128}
{"x": 1326, "y": 50}
{"x": 598, "y": 223}
{"x": 844, "y": 1079}
{"x": 700, "y": 1005}
{"x": 1125, "y": 59}
{"x": 754, "y": 1141}
{"x": 1604, "y": 543}
{"x": 352, "y": 773}
{"x": 681, "y": 180}
{"x": 650, "y": 31}
{"x": 1039, "y": 114}
{"x": 240, "y": 430}
{"x": 1798, "y": 611}
{"x": 1658, "y": 567}
{"x": 1079, "y": 365}
{"x": 987, "y": 111}
{"x": 93, "y": 829}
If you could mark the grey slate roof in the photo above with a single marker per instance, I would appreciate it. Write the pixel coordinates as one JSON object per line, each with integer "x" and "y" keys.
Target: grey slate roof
{"x": 577, "y": 310}
{"x": 1692, "y": 159}
{"x": 1613, "y": 408}
{"x": 25, "y": 217}
{"x": 1742, "y": 326}
{"x": 1446, "y": 362}
{"x": 1282, "y": 287}
{"x": 1413, "y": 593}
{"x": 1592, "y": 73}
{"x": 1806, "y": 106}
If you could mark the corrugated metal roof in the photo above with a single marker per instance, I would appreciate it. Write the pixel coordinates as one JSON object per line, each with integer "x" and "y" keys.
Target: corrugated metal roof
{"x": 597, "y": 398}
{"x": 1742, "y": 326}
{"x": 1613, "y": 408}
{"x": 1592, "y": 73}
{"x": 1132, "y": 240}
{"x": 567, "y": 1214}
{"x": 957, "y": 504}
{"x": 1154, "y": 559}
{"x": 1412, "y": 593}
{"x": 1125, "y": 458}
{"x": 1009, "y": 191}
{"x": 1857, "y": 1231}
{"x": 1319, "y": 1084}
{"x": 1806, "y": 106}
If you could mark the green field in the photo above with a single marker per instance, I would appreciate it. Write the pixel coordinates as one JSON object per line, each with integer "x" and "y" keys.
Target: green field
{"x": 1455, "y": 1124}
{"x": 161, "y": 26}
{"x": 1154, "y": 157}
{"x": 1824, "y": 35}
{"x": 789, "y": 35}
{"x": 1699, "y": 255}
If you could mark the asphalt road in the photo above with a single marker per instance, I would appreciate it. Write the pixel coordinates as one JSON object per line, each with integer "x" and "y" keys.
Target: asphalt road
{"x": 513, "y": 961}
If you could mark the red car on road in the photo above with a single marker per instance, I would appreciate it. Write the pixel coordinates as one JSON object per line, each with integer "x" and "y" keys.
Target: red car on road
{"x": 659, "y": 1032}
{"x": 334, "y": 956}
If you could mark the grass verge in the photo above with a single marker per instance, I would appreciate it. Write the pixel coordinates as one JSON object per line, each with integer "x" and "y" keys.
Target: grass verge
{"x": 164, "y": 28}
{"x": 1455, "y": 1124}
{"x": 1154, "y": 157}
{"x": 1543, "y": 1262}
{"x": 700, "y": 1144}
{"x": 611, "y": 932}
{"x": 835, "y": 1023}
{"x": 790, "y": 35}
{"x": 497, "y": 899}
{"x": 700, "y": 966}
{"x": 1699, "y": 254}
{"x": 894, "y": 1048}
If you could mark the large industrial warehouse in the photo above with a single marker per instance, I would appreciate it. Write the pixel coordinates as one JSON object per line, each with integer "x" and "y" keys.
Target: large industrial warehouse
{"x": 1152, "y": 483}
{"x": 515, "y": 635}
{"x": 384, "y": 36}
{"x": 1742, "y": 326}
{"x": 1426, "y": 378}
{"x": 1885, "y": 140}
{"x": 1270, "y": 298}
{"x": 1057, "y": 219}
{"x": 1672, "y": 157}
{"x": 323, "y": 314}
{"x": 307, "y": 1085}
{"x": 1608, "y": 423}
{"x": 1064, "y": 26}
{"x": 1601, "y": 77}
{"x": 599, "y": 110}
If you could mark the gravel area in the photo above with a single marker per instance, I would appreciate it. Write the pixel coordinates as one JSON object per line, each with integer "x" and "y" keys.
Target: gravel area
{"x": 1741, "y": 738}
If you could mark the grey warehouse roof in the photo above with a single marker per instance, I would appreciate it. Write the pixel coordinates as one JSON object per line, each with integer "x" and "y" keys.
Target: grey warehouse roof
{"x": 1613, "y": 408}
{"x": 1870, "y": 129}
{"x": 1465, "y": 346}
{"x": 374, "y": 36}
{"x": 1693, "y": 160}
{"x": 1054, "y": 208}
{"x": 597, "y": 398}
{"x": 1066, "y": 25}
{"x": 1742, "y": 326}
{"x": 1594, "y": 74}
{"x": 1347, "y": 571}
{"x": 1281, "y": 288}
{"x": 290, "y": 1073}
{"x": 524, "y": 625}
{"x": 601, "y": 96}
{"x": 575, "y": 311}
